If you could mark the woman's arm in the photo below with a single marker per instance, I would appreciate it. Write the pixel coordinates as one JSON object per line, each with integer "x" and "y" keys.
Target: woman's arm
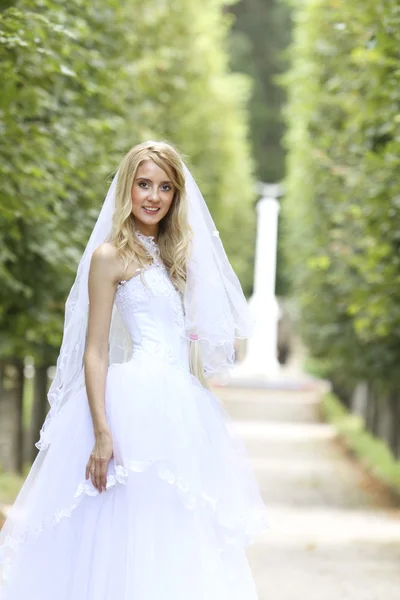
{"x": 105, "y": 272}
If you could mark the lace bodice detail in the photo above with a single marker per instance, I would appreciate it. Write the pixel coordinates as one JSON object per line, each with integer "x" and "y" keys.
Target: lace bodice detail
{"x": 152, "y": 309}
{"x": 150, "y": 244}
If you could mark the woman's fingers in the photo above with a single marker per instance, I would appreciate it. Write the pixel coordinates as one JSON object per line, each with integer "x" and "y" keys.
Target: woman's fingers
{"x": 97, "y": 467}
{"x": 98, "y": 471}
{"x": 103, "y": 473}
{"x": 91, "y": 469}
{"x": 97, "y": 474}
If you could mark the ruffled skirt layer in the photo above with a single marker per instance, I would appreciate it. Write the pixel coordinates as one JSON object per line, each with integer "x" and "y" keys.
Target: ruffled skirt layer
{"x": 181, "y": 503}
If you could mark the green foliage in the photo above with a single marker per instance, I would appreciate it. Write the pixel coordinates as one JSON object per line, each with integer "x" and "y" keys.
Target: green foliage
{"x": 258, "y": 40}
{"x": 58, "y": 128}
{"x": 373, "y": 453}
{"x": 10, "y": 485}
{"x": 342, "y": 205}
{"x": 260, "y": 35}
{"x": 81, "y": 83}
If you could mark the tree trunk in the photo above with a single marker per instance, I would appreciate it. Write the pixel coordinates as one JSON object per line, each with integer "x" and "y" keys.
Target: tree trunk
{"x": 39, "y": 407}
{"x": 372, "y": 412}
{"x": 394, "y": 438}
{"x": 359, "y": 399}
{"x": 19, "y": 365}
{"x": 11, "y": 403}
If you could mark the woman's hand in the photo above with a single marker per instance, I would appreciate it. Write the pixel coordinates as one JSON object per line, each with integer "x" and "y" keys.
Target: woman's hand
{"x": 99, "y": 458}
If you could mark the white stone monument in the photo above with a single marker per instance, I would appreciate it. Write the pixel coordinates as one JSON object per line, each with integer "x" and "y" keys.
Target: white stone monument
{"x": 261, "y": 354}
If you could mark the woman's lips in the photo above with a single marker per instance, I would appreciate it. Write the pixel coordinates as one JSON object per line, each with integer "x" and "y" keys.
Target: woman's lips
{"x": 151, "y": 211}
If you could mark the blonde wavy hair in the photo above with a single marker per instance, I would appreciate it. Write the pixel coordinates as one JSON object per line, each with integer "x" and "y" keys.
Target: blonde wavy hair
{"x": 174, "y": 232}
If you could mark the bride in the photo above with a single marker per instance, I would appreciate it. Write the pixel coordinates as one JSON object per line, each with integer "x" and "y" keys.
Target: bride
{"x": 142, "y": 489}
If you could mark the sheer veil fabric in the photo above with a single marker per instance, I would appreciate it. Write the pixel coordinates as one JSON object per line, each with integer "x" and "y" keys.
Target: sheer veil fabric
{"x": 215, "y": 307}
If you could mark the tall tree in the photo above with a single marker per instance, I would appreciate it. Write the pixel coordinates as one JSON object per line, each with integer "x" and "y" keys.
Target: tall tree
{"x": 259, "y": 38}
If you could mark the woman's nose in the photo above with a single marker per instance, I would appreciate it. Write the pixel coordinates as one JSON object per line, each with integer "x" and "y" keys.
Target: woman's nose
{"x": 154, "y": 193}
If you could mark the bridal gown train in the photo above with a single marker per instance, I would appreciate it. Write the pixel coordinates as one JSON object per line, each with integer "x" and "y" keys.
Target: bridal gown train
{"x": 182, "y": 501}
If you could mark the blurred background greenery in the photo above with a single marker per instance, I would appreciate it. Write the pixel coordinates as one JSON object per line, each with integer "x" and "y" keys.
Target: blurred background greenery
{"x": 342, "y": 204}
{"x": 305, "y": 93}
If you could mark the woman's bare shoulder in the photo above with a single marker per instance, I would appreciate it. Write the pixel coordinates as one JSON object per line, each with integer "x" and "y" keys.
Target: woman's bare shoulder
{"x": 105, "y": 261}
{"x": 105, "y": 252}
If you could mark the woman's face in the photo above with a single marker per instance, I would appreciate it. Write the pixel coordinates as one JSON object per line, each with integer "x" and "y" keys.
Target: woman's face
{"x": 152, "y": 195}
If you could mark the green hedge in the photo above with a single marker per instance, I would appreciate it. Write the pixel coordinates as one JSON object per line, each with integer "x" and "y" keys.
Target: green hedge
{"x": 342, "y": 206}
{"x": 82, "y": 82}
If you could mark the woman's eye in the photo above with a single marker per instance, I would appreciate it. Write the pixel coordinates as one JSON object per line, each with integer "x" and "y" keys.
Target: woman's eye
{"x": 164, "y": 188}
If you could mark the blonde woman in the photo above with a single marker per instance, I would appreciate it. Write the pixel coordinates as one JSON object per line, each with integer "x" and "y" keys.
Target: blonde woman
{"x": 142, "y": 489}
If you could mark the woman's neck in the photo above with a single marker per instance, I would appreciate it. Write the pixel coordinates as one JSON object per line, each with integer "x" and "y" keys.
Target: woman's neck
{"x": 146, "y": 230}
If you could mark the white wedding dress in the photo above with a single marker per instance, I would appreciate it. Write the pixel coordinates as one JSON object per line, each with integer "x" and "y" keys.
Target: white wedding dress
{"x": 182, "y": 501}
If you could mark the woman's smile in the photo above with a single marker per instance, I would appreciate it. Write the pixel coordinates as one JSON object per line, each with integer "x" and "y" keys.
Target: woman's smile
{"x": 150, "y": 210}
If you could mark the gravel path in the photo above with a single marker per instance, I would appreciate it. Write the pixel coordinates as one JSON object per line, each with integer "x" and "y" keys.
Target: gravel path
{"x": 335, "y": 531}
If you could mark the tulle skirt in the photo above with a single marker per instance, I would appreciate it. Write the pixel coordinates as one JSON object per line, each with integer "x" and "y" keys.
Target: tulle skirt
{"x": 181, "y": 504}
